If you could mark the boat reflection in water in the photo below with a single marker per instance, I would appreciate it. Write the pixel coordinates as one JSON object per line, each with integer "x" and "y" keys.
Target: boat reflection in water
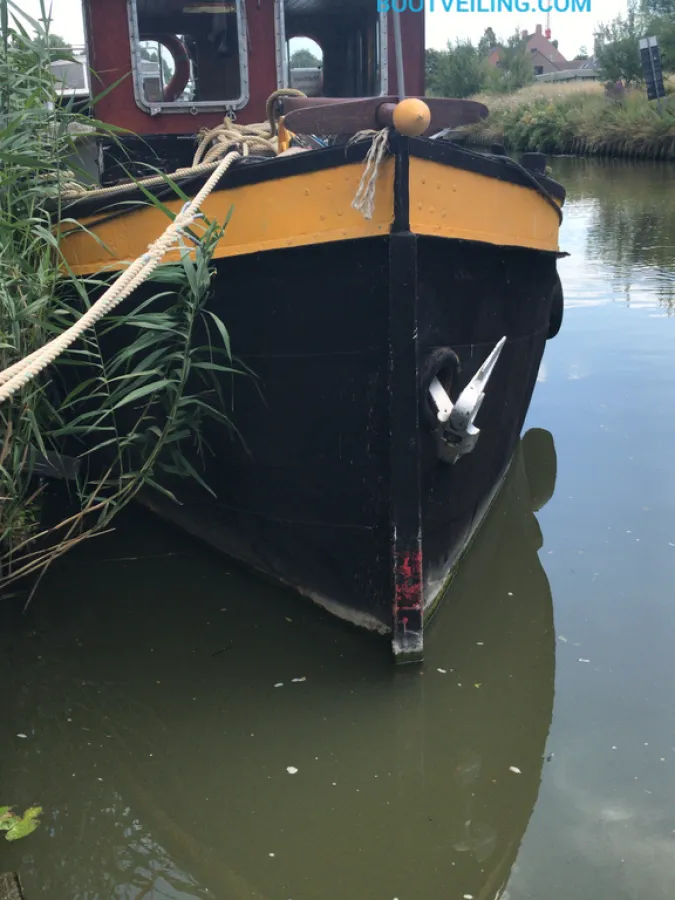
{"x": 410, "y": 783}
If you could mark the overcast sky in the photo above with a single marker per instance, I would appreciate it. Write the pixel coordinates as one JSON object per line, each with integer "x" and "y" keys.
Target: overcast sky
{"x": 572, "y": 29}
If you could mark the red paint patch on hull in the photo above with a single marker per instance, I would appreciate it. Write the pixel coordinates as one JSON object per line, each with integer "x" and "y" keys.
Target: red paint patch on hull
{"x": 408, "y": 583}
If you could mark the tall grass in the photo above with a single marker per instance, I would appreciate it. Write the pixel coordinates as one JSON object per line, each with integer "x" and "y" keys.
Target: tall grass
{"x": 580, "y": 118}
{"x": 147, "y": 379}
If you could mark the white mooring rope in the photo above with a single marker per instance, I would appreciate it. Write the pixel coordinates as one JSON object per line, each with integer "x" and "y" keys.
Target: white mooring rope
{"x": 218, "y": 149}
{"x": 18, "y": 375}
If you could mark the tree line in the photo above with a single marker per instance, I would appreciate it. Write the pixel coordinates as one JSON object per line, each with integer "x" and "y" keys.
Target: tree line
{"x": 462, "y": 69}
{"x": 617, "y": 43}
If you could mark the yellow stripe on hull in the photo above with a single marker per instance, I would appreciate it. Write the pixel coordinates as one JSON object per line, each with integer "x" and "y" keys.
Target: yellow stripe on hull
{"x": 455, "y": 203}
{"x": 312, "y": 208}
{"x": 316, "y": 207}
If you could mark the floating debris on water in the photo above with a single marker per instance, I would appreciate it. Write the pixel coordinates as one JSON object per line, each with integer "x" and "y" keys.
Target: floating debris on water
{"x": 24, "y": 736}
{"x": 561, "y": 637}
{"x": 584, "y": 660}
{"x": 442, "y": 671}
{"x": 17, "y": 827}
{"x": 515, "y": 769}
{"x": 298, "y": 680}
{"x": 279, "y": 684}
{"x": 291, "y": 770}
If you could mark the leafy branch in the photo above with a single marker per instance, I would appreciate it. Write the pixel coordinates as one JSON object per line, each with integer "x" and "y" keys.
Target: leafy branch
{"x": 19, "y": 826}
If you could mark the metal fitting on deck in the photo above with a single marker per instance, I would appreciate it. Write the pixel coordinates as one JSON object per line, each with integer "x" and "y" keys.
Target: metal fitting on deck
{"x": 458, "y": 433}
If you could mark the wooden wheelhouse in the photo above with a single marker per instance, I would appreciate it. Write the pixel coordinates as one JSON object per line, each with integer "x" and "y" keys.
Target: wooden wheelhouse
{"x": 226, "y": 58}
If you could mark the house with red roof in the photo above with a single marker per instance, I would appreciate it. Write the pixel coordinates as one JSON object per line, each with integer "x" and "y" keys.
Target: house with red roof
{"x": 545, "y": 56}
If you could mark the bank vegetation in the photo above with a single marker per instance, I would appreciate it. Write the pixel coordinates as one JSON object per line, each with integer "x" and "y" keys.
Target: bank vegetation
{"x": 124, "y": 408}
{"x": 581, "y": 119}
{"x": 608, "y": 116}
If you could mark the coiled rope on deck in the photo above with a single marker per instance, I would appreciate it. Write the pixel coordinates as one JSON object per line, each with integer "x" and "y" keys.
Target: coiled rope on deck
{"x": 214, "y": 144}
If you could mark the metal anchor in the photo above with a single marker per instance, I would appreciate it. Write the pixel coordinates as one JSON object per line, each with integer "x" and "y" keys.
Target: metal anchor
{"x": 458, "y": 433}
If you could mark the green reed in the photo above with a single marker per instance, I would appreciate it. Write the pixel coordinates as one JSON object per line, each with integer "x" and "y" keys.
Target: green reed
{"x": 126, "y": 406}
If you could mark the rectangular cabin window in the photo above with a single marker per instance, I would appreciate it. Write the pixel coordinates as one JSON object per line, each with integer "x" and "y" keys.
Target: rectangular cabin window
{"x": 332, "y": 49}
{"x": 188, "y": 54}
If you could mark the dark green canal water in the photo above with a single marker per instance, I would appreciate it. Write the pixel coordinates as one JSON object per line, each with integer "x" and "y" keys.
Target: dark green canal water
{"x": 192, "y": 732}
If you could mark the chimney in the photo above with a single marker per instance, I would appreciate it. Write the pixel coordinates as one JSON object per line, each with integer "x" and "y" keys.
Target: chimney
{"x": 538, "y": 29}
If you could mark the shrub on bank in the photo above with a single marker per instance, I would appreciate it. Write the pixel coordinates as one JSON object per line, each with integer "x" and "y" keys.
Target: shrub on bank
{"x": 572, "y": 120}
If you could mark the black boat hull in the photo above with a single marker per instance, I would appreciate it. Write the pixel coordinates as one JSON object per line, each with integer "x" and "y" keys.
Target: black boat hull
{"x": 342, "y": 486}
{"x": 309, "y": 500}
